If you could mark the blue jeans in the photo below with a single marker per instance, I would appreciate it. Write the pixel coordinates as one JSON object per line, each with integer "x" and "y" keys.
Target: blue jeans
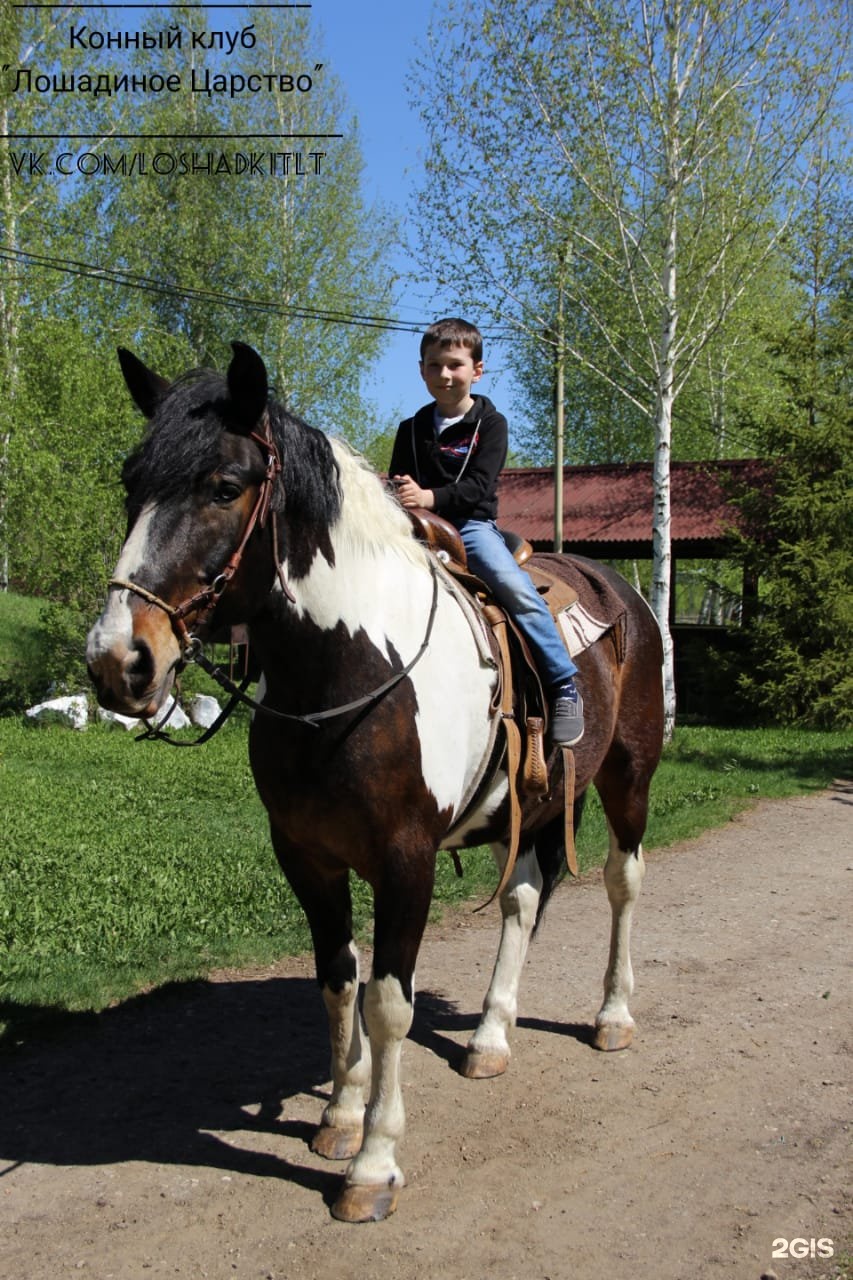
{"x": 492, "y": 561}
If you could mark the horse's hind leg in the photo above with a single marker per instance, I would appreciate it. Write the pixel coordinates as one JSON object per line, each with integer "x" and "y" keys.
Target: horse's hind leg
{"x": 488, "y": 1050}
{"x": 623, "y": 878}
{"x": 625, "y": 802}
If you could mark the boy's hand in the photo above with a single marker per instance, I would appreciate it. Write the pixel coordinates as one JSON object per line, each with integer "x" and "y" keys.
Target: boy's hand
{"x": 411, "y": 494}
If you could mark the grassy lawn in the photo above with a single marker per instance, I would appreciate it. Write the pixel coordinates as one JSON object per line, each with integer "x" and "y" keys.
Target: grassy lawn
{"x": 22, "y": 656}
{"x": 128, "y": 864}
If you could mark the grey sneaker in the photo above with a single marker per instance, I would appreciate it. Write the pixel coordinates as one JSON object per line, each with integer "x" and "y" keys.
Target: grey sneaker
{"x": 567, "y": 717}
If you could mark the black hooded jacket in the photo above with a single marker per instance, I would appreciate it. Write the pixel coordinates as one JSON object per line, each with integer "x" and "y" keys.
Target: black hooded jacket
{"x": 461, "y": 466}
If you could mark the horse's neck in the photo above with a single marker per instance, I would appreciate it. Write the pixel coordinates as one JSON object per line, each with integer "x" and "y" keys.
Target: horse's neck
{"x": 371, "y": 575}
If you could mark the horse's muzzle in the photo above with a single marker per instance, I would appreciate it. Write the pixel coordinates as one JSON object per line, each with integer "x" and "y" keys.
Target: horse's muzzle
{"x": 124, "y": 676}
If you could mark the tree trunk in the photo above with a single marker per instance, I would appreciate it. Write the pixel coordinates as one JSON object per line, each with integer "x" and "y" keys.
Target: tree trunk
{"x": 662, "y": 515}
{"x": 9, "y": 326}
{"x": 662, "y": 548}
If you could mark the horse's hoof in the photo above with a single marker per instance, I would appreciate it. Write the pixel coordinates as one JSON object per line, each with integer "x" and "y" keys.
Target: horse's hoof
{"x": 336, "y": 1144}
{"x": 365, "y": 1204}
{"x": 477, "y": 1065}
{"x": 610, "y": 1037}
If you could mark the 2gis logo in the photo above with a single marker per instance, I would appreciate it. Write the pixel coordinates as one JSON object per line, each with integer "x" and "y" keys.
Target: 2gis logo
{"x": 802, "y": 1248}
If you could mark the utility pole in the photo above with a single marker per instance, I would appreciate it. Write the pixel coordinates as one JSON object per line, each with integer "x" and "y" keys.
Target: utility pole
{"x": 559, "y": 434}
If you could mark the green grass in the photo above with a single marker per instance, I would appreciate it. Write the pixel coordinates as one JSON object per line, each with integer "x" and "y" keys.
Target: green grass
{"x": 22, "y": 647}
{"x": 19, "y": 628}
{"x": 124, "y": 864}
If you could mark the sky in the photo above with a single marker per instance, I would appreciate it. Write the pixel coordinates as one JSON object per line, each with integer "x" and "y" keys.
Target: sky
{"x": 370, "y": 45}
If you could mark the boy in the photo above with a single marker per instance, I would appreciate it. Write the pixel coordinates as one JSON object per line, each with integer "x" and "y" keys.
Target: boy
{"x": 447, "y": 458}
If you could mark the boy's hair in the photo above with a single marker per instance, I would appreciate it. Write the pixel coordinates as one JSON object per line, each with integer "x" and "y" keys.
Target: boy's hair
{"x": 454, "y": 332}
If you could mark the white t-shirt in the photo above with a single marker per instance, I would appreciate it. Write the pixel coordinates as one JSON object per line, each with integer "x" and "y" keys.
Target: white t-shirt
{"x": 441, "y": 423}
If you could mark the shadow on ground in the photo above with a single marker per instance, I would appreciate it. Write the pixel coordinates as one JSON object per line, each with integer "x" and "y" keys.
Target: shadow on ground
{"x": 167, "y": 1076}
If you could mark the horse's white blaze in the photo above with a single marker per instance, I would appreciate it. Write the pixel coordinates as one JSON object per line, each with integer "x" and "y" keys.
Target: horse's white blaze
{"x": 519, "y": 901}
{"x": 388, "y": 1015}
{"x": 113, "y": 631}
{"x": 623, "y": 879}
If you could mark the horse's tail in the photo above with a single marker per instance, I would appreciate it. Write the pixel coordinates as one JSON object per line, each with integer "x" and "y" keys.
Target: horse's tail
{"x": 550, "y": 848}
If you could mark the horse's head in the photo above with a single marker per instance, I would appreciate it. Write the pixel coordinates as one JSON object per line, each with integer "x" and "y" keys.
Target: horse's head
{"x": 198, "y": 547}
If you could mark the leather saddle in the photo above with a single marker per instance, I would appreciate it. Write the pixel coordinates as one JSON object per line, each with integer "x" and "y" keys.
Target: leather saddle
{"x": 519, "y": 699}
{"x": 443, "y": 539}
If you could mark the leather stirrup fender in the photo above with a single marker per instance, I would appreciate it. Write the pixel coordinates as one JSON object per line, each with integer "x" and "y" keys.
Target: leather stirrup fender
{"x": 569, "y": 808}
{"x": 497, "y": 621}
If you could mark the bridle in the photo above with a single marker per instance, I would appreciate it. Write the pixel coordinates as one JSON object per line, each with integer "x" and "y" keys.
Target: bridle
{"x": 205, "y": 601}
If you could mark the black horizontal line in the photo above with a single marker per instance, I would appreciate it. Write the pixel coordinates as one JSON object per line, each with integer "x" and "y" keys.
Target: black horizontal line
{"x": 186, "y": 137}
{"x": 84, "y": 5}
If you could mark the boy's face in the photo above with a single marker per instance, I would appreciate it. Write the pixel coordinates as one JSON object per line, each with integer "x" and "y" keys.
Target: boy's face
{"x": 449, "y": 373}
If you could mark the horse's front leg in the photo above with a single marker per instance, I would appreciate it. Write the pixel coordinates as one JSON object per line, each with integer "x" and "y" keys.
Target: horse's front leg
{"x": 374, "y": 1179}
{"x": 340, "y": 1133}
{"x": 325, "y": 899}
{"x": 488, "y": 1049}
{"x": 623, "y": 878}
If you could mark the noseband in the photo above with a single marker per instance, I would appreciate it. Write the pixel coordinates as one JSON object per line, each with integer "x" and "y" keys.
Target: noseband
{"x": 205, "y": 601}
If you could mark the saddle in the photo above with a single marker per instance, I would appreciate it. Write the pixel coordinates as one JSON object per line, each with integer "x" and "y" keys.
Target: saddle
{"x": 444, "y": 541}
{"x": 519, "y": 699}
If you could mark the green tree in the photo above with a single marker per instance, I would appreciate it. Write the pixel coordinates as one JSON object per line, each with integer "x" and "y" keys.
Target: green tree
{"x": 281, "y": 257}
{"x": 33, "y": 42}
{"x": 174, "y": 263}
{"x": 639, "y": 164}
{"x": 322, "y": 252}
{"x": 801, "y": 641}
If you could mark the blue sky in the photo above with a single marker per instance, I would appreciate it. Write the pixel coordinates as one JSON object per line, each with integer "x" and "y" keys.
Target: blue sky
{"x": 370, "y": 45}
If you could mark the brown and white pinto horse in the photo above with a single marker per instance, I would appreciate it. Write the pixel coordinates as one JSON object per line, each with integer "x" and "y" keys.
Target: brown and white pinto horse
{"x": 239, "y": 512}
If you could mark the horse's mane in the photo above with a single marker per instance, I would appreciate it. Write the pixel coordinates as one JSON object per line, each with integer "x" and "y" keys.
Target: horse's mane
{"x": 182, "y": 445}
{"x": 182, "y": 440}
{"x": 371, "y": 518}
{"x": 328, "y": 483}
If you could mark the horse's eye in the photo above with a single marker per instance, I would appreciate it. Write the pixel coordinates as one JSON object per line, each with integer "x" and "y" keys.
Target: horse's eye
{"x": 226, "y": 491}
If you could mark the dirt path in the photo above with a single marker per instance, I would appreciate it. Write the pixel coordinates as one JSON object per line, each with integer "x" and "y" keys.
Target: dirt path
{"x": 169, "y": 1137}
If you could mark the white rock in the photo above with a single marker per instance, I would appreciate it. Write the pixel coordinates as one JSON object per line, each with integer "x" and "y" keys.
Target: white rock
{"x": 71, "y": 710}
{"x": 117, "y": 721}
{"x": 204, "y": 709}
{"x": 174, "y": 719}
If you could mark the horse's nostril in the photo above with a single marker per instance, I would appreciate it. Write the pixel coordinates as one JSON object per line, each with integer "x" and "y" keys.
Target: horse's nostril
{"x": 98, "y": 683}
{"x": 140, "y": 668}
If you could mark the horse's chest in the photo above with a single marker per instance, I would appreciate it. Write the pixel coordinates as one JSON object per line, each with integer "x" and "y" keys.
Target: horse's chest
{"x": 339, "y": 787}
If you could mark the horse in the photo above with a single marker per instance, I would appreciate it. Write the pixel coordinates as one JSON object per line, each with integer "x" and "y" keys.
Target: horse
{"x": 372, "y": 747}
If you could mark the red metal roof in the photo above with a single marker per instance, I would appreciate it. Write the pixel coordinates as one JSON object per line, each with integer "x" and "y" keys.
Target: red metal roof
{"x": 612, "y": 503}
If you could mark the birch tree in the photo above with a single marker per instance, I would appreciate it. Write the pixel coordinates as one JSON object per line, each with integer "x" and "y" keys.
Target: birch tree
{"x": 35, "y": 127}
{"x": 281, "y": 254}
{"x": 659, "y": 148}
{"x": 24, "y": 199}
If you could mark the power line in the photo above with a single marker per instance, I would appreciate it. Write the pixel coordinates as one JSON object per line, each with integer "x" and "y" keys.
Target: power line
{"x": 134, "y": 280}
{"x": 125, "y": 279}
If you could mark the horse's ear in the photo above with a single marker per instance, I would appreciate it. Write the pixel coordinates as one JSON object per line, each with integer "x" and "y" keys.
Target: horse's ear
{"x": 247, "y": 384}
{"x": 146, "y": 386}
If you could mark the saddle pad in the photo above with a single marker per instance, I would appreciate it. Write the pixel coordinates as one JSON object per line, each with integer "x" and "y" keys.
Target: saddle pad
{"x": 579, "y": 628}
{"x": 557, "y": 593}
